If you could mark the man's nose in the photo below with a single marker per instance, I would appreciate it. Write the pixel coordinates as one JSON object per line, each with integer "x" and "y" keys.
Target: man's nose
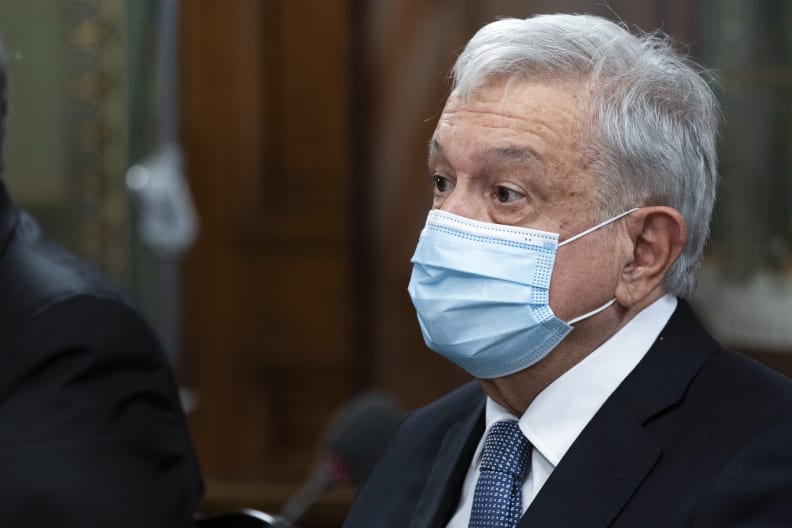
{"x": 463, "y": 202}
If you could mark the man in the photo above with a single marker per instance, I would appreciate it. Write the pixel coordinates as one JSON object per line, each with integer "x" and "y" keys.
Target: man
{"x": 575, "y": 173}
{"x": 91, "y": 431}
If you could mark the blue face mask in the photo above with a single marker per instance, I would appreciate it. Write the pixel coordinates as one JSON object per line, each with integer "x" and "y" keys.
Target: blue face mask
{"x": 481, "y": 292}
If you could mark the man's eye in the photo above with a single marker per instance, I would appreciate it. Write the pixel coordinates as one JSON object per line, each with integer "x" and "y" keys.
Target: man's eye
{"x": 506, "y": 195}
{"x": 442, "y": 184}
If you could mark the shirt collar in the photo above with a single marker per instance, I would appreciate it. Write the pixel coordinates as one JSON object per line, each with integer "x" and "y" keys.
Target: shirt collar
{"x": 562, "y": 410}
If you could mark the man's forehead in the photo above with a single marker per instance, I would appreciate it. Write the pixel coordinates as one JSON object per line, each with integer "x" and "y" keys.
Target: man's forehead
{"x": 515, "y": 120}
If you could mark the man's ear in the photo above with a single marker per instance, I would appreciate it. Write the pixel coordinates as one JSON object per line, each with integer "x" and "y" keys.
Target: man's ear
{"x": 657, "y": 236}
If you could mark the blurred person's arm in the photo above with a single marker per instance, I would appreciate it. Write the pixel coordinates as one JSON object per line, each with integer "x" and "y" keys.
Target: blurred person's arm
{"x": 92, "y": 433}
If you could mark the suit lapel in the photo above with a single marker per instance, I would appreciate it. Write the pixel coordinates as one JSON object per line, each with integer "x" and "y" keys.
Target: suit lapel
{"x": 599, "y": 473}
{"x": 614, "y": 453}
{"x": 443, "y": 486}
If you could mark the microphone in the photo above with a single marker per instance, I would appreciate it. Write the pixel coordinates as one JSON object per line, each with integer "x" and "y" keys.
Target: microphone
{"x": 351, "y": 444}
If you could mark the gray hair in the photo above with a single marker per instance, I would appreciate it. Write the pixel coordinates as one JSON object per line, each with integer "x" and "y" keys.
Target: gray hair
{"x": 653, "y": 118}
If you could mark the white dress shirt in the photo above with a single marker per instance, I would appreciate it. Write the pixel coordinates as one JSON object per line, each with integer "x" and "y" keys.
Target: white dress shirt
{"x": 562, "y": 410}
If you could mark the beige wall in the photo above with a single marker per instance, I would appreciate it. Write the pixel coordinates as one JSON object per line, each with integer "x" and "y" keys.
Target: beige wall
{"x": 35, "y": 147}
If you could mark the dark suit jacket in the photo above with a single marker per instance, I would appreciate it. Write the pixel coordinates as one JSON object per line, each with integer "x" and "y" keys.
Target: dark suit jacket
{"x": 695, "y": 436}
{"x": 91, "y": 431}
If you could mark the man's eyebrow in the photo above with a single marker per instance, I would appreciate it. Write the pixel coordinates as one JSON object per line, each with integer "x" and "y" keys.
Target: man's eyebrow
{"x": 518, "y": 153}
{"x": 435, "y": 149}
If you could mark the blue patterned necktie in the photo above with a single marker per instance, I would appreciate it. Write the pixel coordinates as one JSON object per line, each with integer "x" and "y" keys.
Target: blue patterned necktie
{"x": 497, "y": 501}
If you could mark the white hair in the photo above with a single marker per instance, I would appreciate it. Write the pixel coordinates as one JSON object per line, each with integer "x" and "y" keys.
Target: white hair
{"x": 652, "y": 120}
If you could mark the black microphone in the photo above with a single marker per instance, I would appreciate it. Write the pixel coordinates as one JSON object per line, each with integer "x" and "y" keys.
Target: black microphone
{"x": 351, "y": 444}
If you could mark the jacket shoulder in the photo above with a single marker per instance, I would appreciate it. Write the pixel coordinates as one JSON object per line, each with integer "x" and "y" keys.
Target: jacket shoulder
{"x": 747, "y": 384}
{"x": 36, "y": 273}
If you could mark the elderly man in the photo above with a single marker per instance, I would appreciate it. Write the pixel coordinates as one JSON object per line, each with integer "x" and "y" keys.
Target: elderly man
{"x": 575, "y": 172}
{"x": 91, "y": 430}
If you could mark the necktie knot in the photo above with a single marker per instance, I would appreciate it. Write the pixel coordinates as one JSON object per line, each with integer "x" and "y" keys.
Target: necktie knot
{"x": 506, "y": 450}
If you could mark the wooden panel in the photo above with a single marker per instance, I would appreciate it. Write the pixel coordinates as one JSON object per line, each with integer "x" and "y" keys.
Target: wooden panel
{"x": 300, "y": 72}
{"x": 267, "y": 289}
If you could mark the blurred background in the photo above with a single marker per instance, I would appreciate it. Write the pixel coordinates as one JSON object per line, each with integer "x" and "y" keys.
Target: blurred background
{"x": 254, "y": 171}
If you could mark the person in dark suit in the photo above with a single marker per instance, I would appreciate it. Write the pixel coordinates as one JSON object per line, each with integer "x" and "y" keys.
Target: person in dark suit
{"x": 91, "y": 430}
{"x": 575, "y": 173}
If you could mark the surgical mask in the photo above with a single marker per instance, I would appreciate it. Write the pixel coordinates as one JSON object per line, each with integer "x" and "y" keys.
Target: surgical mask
{"x": 481, "y": 292}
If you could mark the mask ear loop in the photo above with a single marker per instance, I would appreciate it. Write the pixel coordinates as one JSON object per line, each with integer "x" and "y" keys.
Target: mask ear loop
{"x": 601, "y": 224}
{"x": 584, "y": 233}
{"x": 592, "y": 313}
